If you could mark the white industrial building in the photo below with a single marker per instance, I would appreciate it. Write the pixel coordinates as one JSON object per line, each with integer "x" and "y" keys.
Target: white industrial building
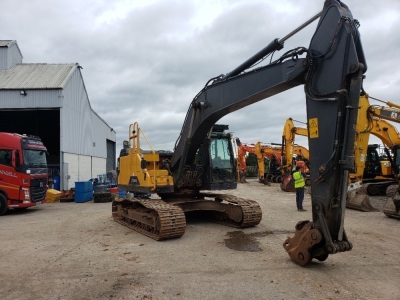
{"x": 51, "y": 101}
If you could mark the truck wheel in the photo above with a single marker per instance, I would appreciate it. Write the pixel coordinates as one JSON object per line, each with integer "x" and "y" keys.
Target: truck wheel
{"x": 3, "y": 205}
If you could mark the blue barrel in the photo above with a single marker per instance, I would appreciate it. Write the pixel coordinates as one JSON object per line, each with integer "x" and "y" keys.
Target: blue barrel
{"x": 121, "y": 193}
{"x": 83, "y": 191}
{"x": 56, "y": 182}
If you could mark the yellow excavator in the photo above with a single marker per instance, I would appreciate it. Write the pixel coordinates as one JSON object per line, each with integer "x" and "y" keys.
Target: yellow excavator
{"x": 261, "y": 151}
{"x": 373, "y": 176}
{"x": 292, "y": 150}
{"x": 276, "y": 156}
{"x": 331, "y": 69}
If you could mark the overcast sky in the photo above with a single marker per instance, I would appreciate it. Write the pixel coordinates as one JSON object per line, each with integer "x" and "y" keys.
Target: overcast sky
{"x": 144, "y": 61}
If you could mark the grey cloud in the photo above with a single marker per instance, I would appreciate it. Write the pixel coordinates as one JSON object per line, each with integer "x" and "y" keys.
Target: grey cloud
{"x": 148, "y": 65}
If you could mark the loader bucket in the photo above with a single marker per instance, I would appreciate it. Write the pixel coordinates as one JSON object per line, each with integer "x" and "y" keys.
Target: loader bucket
{"x": 392, "y": 206}
{"x": 359, "y": 201}
{"x": 287, "y": 183}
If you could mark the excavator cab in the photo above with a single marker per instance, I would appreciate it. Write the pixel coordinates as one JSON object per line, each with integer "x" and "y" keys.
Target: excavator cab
{"x": 219, "y": 163}
{"x": 373, "y": 166}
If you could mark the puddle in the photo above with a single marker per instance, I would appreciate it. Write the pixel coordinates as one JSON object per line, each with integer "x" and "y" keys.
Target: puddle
{"x": 240, "y": 241}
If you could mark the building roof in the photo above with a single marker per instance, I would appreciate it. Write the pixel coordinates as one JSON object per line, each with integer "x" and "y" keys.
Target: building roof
{"x": 36, "y": 76}
{"x": 10, "y": 43}
{"x": 5, "y": 43}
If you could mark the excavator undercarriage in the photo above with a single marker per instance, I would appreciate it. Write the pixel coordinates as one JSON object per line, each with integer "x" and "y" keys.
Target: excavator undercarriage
{"x": 162, "y": 220}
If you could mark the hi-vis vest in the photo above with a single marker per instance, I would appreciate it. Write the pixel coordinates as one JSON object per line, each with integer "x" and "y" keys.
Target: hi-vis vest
{"x": 298, "y": 179}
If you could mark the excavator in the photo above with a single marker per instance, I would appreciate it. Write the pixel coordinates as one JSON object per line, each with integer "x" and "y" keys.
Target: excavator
{"x": 241, "y": 152}
{"x": 331, "y": 70}
{"x": 302, "y": 156}
{"x": 369, "y": 177}
{"x": 273, "y": 154}
{"x": 372, "y": 176}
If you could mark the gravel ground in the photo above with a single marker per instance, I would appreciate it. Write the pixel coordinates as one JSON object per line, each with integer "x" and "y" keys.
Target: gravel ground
{"x": 76, "y": 251}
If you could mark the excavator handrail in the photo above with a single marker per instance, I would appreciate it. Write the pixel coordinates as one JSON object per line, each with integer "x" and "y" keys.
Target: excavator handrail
{"x": 136, "y": 137}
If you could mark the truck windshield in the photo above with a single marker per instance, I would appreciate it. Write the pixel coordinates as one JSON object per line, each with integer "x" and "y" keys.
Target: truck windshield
{"x": 35, "y": 158}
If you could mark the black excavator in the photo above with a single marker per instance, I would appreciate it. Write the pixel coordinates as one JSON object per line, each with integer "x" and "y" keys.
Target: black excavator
{"x": 331, "y": 70}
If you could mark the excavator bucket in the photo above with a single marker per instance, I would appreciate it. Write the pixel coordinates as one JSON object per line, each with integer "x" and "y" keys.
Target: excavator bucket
{"x": 392, "y": 206}
{"x": 287, "y": 183}
{"x": 359, "y": 201}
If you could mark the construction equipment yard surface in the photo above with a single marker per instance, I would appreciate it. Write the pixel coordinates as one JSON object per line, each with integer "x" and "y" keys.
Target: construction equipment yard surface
{"x": 77, "y": 251}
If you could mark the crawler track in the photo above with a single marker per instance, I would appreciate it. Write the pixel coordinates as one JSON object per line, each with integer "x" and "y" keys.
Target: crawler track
{"x": 153, "y": 218}
{"x": 251, "y": 211}
{"x": 162, "y": 220}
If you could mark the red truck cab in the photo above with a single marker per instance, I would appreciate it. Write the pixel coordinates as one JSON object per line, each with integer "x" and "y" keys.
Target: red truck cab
{"x": 23, "y": 171}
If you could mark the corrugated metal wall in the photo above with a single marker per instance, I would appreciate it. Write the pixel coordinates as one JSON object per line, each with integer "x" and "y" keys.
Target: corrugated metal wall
{"x": 33, "y": 99}
{"x": 82, "y": 131}
{"x": 85, "y": 137}
{"x": 76, "y": 118}
{"x": 9, "y": 56}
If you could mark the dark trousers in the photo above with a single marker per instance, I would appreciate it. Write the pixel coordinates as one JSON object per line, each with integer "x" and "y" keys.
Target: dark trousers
{"x": 299, "y": 197}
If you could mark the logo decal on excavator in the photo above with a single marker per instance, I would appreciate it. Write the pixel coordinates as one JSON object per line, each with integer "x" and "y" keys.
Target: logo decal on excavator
{"x": 313, "y": 128}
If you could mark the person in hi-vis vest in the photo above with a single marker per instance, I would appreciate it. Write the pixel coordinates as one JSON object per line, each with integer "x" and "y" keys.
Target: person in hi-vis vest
{"x": 299, "y": 183}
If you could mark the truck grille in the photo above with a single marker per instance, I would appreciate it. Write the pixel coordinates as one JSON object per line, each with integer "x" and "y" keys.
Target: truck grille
{"x": 38, "y": 189}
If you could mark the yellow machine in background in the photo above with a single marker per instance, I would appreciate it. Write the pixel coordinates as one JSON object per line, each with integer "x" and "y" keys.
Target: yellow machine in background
{"x": 276, "y": 156}
{"x": 291, "y": 150}
{"x": 143, "y": 168}
{"x": 372, "y": 176}
{"x": 144, "y": 173}
{"x": 261, "y": 152}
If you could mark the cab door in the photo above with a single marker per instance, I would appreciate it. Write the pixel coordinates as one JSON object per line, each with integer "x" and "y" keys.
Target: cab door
{"x": 9, "y": 179}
